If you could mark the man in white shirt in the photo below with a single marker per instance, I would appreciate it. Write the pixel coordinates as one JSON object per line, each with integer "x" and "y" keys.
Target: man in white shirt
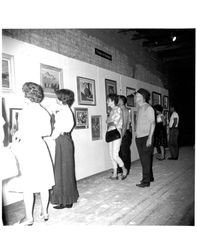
{"x": 144, "y": 135}
{"x": 173, "y": 134}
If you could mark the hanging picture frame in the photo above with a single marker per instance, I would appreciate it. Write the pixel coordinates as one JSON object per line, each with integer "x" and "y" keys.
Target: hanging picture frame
{"x": 110, "y": 88}
{"x": 51, "y": 79}
{"x": 8, "y": 79}
{"x": 156, "y": 98}
{"x": 96, "y": 126}
{"x": 165, "y": 102}
{"x": 81, "y": 118}
{"x": 86, "y": 91}
{"x": 130, "y": 95}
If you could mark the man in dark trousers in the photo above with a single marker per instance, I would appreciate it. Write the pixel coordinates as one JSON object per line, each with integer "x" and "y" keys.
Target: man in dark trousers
{"x": 144, "y": 135}
{"x": 173, "y": 134}
{"x": 125, "y": 151}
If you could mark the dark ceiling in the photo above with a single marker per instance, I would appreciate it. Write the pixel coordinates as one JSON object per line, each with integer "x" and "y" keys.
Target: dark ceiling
{"x": 161, "y": 45}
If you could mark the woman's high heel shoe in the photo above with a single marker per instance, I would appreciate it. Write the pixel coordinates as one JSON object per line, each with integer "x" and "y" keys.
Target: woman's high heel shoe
{"x": 45, "y": 217}
{"x": 113, "y": 177}
{"x": 125, "y": 174}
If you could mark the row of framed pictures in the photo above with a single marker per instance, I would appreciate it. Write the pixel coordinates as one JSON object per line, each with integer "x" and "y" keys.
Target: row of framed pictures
{"x": 51, "y": 79}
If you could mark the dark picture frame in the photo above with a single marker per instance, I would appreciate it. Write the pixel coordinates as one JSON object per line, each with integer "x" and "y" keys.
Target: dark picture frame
{"x": 110, "y": 88}
{"x": 165, "y": 102}
{"x": 86, "y": 91}
{"x": 96, "y": 127}
{"x": 13, "y": 124}
{"x": 51, "y": 79}
{"x": 156, "y": 98}
{"x": 8, "y": 78}
{"x": 130, "y": 95}
{"x": 81, "y": 118}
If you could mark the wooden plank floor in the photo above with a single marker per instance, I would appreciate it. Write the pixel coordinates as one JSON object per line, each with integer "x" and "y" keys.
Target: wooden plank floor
{"x": 168, "y": 201}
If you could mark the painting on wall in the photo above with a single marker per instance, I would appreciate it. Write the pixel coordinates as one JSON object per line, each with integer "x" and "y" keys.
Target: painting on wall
{"x": 110, "y": 88}
{"x": 96, "y": 124}
{"x": 86, "y": 91}
{"x": 14, "y": 126}
{"x": 7, "y": 73}
{"x": 156, "y": 98}
{"x": 81, "y": 118}
{"x": 130, "y": 94}
{"x": 165, "y": 102}
{"x": 51, "y": 79}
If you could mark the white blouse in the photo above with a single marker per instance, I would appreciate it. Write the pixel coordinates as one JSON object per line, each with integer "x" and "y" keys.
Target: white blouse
{"x": 64, "y": 121}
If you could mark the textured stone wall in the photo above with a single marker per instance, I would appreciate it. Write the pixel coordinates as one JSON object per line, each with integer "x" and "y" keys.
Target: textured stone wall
{"x": 132, "y": 60}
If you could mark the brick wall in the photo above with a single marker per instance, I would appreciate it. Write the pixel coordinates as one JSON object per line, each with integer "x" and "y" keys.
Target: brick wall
{"x": 132, "y": 60}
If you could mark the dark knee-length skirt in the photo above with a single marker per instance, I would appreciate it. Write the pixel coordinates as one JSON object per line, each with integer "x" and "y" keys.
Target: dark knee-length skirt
{"x": 65, "y": 189}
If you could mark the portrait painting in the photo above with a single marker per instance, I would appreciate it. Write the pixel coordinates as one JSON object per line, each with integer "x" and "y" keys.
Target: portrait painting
{"x": 86, "y": 91}
{"x": 81, "y": 118}
{"x": 130, "y": 95}
{"x": 51, "y": 79}
{"x": 110, "y": 88}
{"x": 96, "y": 127}
{"x": 165, "y": 102}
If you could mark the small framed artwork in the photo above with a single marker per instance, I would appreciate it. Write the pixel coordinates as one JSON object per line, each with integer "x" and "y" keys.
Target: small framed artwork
{"x": 130, "y": 97}
{"x": 86, "y": 91}
{"x": 156, "y": 98}
{"x": 81, "y": 118}
{"x": 51, "y": 79}
{"x": 110, "y": 88}
{"x": 134, "y": 120}
{"x": 7, "y": 73}
{"x": 165, "y": 102}
{"x": 96, "y": 124}
{"x": 14, "y": 125}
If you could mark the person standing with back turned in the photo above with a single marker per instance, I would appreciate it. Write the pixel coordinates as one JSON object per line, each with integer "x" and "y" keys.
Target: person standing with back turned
{"x": 173, "y": 135}
{"x": 144, "y": 135}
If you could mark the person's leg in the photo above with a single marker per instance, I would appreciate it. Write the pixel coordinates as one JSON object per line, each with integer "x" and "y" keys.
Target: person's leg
{"x": 112, "y": 159}
{"x": 125, "y": 150}
{"x": 176, "y": 146}
{"x": 139, "y": 144}
{"x": 28, "y": 200}
{"x": 162, "y": 152}
{"x": 116, "y": 148}
{"x": 44, "y": 194}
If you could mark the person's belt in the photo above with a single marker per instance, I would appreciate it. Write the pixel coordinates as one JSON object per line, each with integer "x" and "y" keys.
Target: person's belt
{"x": 66, "y": 133}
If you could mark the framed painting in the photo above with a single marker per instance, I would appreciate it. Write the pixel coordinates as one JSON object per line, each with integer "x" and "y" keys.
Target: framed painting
{"x": 51, "y": 79}
{"x": 165, "y": 102}
{"x": 156, "y": 98}
{"x": 96, "y": 124}
{"x": 130, "y": 94}
{"x": 110, "y": 88}
{"x": 86, "y": 91}
{"x": 81, "y": 118}
{"x": 7, "y": 73}
{"x": 14, "y": 125}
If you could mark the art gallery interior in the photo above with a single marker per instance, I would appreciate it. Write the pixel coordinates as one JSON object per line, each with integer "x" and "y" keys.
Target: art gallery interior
{"x": 120, "y": 60}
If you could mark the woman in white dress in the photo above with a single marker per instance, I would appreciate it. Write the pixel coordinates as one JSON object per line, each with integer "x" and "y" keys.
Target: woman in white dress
{"x": 34, "y": 158}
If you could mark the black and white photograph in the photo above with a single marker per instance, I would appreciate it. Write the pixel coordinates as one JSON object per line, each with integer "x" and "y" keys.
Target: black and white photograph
{"x": 7, "y": 73}
{"x": 144, "y": 178}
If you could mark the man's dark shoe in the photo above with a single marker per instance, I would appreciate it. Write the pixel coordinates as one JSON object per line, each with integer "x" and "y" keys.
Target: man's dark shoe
{"x": 143, "y": 184}
{"x": 151, "y": 180}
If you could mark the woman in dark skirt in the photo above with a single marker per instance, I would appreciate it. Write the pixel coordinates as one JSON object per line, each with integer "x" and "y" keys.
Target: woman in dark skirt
{"x": 65, "y": 192}
{"x": 160, "y": 134}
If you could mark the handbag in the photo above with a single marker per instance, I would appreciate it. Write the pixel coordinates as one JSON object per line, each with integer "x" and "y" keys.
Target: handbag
{"x": 112, "y": 135}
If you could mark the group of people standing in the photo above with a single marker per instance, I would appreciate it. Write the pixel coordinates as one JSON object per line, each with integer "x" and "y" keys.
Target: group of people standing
{"x": 54, "y": 180}
{"x": 150, "y": 132}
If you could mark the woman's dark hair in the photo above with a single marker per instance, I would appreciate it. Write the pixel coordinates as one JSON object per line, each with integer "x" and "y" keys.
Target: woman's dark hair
{"x": 33, "y": 92}
{"x": 113, "y": 97}
{"x": 123, "y": 98}
{"x": 66, "y": 96}
{"x": 158, "y": 107}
